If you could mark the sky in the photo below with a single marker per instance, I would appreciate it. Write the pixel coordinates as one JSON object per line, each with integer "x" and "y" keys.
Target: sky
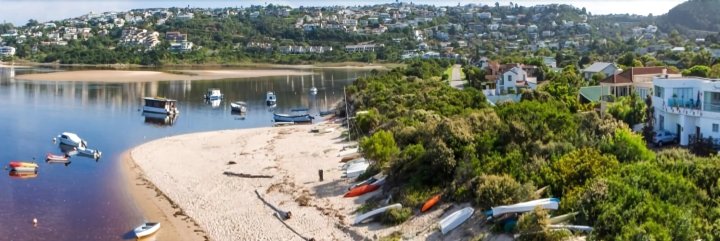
{"x": 19, "y": 12}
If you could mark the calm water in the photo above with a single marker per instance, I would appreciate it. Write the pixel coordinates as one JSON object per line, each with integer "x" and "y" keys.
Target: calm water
{"x": 86, "y": 200}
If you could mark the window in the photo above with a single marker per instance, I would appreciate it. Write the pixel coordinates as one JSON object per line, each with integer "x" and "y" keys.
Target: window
{"x": 659, "y": 92}
{"x": 715, "y": 127}
{"x": 661, "y": 122}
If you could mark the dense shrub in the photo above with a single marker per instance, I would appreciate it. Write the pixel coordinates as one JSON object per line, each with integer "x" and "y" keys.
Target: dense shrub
{"x": 396, "y": 216}
{"x": 495, "y": 190}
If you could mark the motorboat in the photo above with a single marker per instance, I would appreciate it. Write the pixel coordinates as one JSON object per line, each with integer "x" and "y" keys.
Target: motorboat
{"x": 238, "y": 106}
{"x": 19, "y": 166}
{"x": 313, "y": 90}
{"x": 160, "y": 105}
{"x": 292, "y": 118}
{"x": 213, "y": 94}
{"x": 71, "y": 139}
{"x": 270, "y": 98}
{"x": 146, "y": 229}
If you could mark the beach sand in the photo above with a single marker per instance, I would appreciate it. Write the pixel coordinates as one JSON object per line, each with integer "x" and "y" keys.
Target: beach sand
{"x": 125, "y": 76}
{"x": 282, "y": 164}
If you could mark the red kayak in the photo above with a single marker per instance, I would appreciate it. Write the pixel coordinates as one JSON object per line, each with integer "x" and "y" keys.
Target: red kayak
{"x": 430, "y": 203}
{"x": 362, "y": 189}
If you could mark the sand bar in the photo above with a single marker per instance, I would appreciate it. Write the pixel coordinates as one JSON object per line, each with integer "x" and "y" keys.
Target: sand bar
{"x": 126, "y": 76}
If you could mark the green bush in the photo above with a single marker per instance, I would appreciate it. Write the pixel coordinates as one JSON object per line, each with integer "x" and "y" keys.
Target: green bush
{"x": 495, "y": 190}
{"x": 395, "y": 216}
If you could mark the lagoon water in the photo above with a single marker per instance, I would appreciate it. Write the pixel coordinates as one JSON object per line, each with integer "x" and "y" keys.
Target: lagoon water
{"x": 86, "y": 200}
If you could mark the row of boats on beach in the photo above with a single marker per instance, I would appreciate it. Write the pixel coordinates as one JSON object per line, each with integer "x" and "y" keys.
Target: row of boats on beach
{"x": 355, "y": 165}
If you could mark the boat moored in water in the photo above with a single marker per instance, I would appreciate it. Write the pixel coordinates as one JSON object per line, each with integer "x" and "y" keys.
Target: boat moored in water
{"x": 71, "y": 139}
{"x": 160, "y": 105}
{"x": 57, "y": 158}
{"x": 19, "y": 166}
{"x": 146, "y": 229}
{"x": 270, "y": 98}
{"x": 213, "y": 94}
{"x": 238, "y": 106}
{"x": 292, "y": 118}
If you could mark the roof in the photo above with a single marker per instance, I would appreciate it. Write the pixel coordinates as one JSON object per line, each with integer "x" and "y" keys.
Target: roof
{"x": 593, "y": 93}
{"x": 597, "y": 67}
{"x": 627, "y": 76}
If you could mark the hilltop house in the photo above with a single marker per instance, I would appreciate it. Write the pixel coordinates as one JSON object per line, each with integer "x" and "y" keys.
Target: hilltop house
{"x": 513, "y": 80}
{"x": 599, "y": 67}
{"x": 637, "y": 79}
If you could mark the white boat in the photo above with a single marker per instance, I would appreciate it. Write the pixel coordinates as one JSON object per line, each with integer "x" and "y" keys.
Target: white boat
{"x": 270, "y": 98}
{"x": 571, "y": 227}
{"x": 365, "y": 216}
{"x": 454, "y": 220}
{"x": 71, "y": 139}
{"x": 563, "y": 218}
{"x": 313, "y": 90}
{"x": 160, "y": 105}
{"x": 356, "y": 169}
{"x": 546, "y": 203}
{"x": 95, "y": 154}
{"x": 238, "y": 106}
{"x": 213, "y": 94}
{"x": 347, "y": 152}
{"x": 146, "y": 229}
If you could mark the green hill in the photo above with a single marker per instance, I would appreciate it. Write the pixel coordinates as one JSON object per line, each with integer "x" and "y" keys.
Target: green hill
{"x": 694, "y": 15}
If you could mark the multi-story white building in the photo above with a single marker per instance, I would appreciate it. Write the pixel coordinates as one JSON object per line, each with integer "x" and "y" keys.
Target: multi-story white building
{"x": 687, "y": 106}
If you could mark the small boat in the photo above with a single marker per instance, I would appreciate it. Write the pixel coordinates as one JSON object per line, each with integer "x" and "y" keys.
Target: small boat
{"x": 327, "y": 112}
{"x": 213, "y": 94}
{"x": 270, "y": 98}
{"x": 365, "y": 216}
{"x": 23, "y": 175}
{"x": 430, "y": 203}
{"x": 360, "y": 190}
{"x": 356, "y": 169}
{"x": 23, "y": 166}
{"x": 56, "y": 158}
{"x": 571, "y": 227}
{"x": 292, "y": 118}
{"x": 366, "y": 181}
{"x": 71, "y": 139}
{"x": 146, "y": 229}
{"x": 546, "y": 203}
{"x": 454, "y": 220}
{"x": 160, "y": 105}
{"x": 95, "y": 154}
{"x": 563, "y": 218}
{"x": 313, "y": 90}
{"x": 299, "y": 109}
{"x": 238, "y": 106}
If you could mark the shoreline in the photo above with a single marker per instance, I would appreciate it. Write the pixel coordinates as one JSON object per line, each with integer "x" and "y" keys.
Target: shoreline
{"x": 133, "y": 76}
{"x": 321, "y": 65}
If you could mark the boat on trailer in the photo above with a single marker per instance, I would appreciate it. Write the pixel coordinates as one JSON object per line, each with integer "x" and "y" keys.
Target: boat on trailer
{"x": 292, "y": 118}
{"x": 160, "y": 105}
{"x": 146, "y": 229}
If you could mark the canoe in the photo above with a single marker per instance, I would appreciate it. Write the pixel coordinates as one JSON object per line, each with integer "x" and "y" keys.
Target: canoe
{"x": 362, "y": 189}
{"x": 23, "y": 166}
{"x": 571, "y": 227}
{"x": 454, "y": 220}
{"x": 546, "y": 203}
{"x": 366, "y": 181}
{"x": 430, "y": 203}
{"x": 365, "y": 216}
{"x": 56, "y": 158}
{"x": 563, "y": 218}
{"x": 146, "y": 229}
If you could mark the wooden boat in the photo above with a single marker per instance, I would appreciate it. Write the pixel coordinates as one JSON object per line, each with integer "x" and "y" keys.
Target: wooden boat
{"x": 213, "y": 94}
{"x": 23, "y": 175}
{"x": 546, "y": 203}
{"x": 455, "y": 219}
{"x": 23, "y": 166}
{"x": 238, "y": 106}
{"x": 571, "y": 227}
{"x": 362, "y": 189}
{"x": 146, "y": 229}
{"x": 270, "y": 98}
{"x": 52, "y": 158}
{"x": 365, "y": 216}
{"x": 430, "y": 203}
{"x": 292, "y": 118}
{"x": 160, "y": 105}
{"x": 563, "y": 218}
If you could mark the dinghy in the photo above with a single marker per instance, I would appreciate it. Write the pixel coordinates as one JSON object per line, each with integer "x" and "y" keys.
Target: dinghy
{"x": 365, "y": 216}
{"x": 146, "y": 229}
{"x": 292, "y": 118}
{"x": 454, "y": 220}
{"x": 546, "y": 203}
{"x": 23, "y": 166}
{"x": 430, "y": 203}
{"x": 56, "y": 158}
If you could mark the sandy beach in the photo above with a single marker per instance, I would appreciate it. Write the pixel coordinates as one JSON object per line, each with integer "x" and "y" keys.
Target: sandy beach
{"x": 212, "y": 178}
{"x": 125, "y": 76}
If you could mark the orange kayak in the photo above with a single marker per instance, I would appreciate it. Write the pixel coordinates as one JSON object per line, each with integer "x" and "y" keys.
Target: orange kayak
{"x": 430, "y": 203}
{"x": 360, "y": 190}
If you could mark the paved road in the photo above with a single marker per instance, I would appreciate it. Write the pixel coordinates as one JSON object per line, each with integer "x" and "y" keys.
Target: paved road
{"x": 455, "y": 80}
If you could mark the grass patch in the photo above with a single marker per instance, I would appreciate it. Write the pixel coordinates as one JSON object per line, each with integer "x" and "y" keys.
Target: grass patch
{"x": 395, "y": 216}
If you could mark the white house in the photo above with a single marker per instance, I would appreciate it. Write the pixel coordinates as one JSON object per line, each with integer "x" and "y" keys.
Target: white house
{"x": 6, "y": 51}
{"x": 607, "y": 68}
{"x": 514, "y": 79}
{"x": 687, "y": 106}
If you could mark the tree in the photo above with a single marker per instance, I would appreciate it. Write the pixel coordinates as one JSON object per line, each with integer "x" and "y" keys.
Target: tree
{"x": 649, "y": 128}
{"x": 380, "y": 147}
{"x": 493, "y": 190}
{"x": 697, "y": 70}
{"x": 714, "y": 71}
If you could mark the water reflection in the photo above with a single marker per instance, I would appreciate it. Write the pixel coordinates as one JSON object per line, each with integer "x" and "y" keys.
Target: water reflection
{"x": 160, "y": 120}
{"x": 23, "y": 175}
